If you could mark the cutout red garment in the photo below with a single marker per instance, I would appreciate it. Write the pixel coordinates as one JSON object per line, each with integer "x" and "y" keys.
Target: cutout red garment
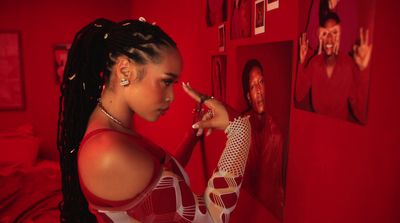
{"x": 168, "y": 197}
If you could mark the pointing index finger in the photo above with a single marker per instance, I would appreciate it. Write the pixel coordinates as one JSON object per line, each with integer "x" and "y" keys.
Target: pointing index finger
{"x": 198, "y": 97}
{"x": 191, "y": 92}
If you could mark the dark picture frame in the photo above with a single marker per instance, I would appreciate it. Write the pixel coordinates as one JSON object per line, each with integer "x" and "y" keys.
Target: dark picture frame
{"x": 60, "y": 60}
{"x": 216, "y": 12}
{"x": 218, "y": 77}
{"x": 240, "y": 21}
{"x": 12, "y": 91}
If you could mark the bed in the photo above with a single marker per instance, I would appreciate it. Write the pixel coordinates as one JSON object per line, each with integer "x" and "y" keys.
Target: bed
{"x": 30, "y": 188}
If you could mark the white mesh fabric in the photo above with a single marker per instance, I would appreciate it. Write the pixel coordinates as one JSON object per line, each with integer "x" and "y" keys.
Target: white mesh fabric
{"x": 234, "y": 157}
{"x": 231, "y": 167}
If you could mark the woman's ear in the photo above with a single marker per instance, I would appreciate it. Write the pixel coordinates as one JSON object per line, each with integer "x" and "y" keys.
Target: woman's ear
{"x": 125, "y": 71}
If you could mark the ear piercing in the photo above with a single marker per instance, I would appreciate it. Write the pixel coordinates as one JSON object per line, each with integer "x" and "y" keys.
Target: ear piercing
{"x": 124, "y": 82}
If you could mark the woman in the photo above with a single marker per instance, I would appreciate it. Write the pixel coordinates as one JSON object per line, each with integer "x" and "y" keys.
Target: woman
{"x": 264, "y": 171}
{"x": 336, "y": 84}
{"x": 107, "y": 167}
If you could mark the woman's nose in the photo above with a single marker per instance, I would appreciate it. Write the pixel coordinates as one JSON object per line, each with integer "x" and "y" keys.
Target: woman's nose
{"x": 329, "y": 36}
{"x": 170, "y": 96}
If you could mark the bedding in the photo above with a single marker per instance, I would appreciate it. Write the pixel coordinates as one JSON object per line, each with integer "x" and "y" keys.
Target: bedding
{"x": 31, "y": 194}
{"x": 30, "y": 189}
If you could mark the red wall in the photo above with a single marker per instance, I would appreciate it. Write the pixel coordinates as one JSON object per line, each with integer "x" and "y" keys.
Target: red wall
{"x": 337, "y": 171}
{"x": 43, "y": 24}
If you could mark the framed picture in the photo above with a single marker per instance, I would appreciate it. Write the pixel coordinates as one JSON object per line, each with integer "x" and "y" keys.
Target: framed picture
{"x": 264, "y": 75}
{"x": 335, "y": 31}
{"x": 259, "y": 17}
{"x": 218, "y": 77}
{"x": 60, "y": 60}
{"x": 216, "y": 12}
{"x": 12, "y": 93}
{"x": 221, "y": 38}
{"x": 240, "y": 19}
{"x": 272, "y": 4}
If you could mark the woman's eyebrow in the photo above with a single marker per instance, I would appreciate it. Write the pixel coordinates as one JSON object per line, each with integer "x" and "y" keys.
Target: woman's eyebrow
{"x": 173, "y": 75}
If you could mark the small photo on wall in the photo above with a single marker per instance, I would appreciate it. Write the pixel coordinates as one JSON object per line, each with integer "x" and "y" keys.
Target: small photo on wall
{"x": 272, "y": 4}
{"x": 259, "y": 17}
{"x": 216, "y": 12}
{"x": 218, "y": 77}
{"x": 241, "y": 19}
{"x": 221, "y": 38}
{"x": 60, "y": 60}
{"x": 333, "y": 74}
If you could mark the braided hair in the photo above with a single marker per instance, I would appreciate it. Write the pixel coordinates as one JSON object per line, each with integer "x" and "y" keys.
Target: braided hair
{"x": 90, "y": 60}
{"x": 246, "y": 78}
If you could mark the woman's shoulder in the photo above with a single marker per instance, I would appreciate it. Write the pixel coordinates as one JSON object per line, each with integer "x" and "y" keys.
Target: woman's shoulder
{"x": 113, "y": 167}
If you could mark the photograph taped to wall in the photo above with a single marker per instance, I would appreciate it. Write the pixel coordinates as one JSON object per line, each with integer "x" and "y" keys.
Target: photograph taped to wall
{"x": 216, "y": 12}
{"x": 218, "y": 77}
{"x": 12, "y": 94}
{"x": 221, "y": 38}
{"x": 259, "y": 17}
{"x": 60, "y": 60}
{"x": 272, "y": 4}
{"x": 241, "y": 19}
{"x": 265, "y": 72}
{"x": 340, "y": 32}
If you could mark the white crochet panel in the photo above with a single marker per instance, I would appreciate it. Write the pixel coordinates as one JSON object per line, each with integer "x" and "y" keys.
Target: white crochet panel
{"x": 234, "y": 157}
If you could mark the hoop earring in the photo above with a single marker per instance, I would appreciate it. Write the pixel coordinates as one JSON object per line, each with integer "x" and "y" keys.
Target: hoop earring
{"x": 124, "y": 82}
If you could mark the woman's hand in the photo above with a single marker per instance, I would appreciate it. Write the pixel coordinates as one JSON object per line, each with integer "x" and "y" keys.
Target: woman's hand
{"x": 362, "y": 52}
{"x": 303, "y": 41}
{"x": 333, "y": 4}
{"x": 216, "y": 118}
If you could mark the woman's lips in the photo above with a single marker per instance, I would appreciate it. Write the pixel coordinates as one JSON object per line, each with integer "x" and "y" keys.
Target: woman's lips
{"x": 163, "y": 110}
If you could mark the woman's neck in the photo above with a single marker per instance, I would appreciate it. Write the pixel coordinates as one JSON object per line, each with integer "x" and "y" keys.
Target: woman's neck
{"x": 330, "y": 62}
{"x": 114, "y": 113}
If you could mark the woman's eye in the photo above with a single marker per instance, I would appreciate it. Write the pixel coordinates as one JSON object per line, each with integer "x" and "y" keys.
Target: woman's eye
{"x": 168, "y": 82}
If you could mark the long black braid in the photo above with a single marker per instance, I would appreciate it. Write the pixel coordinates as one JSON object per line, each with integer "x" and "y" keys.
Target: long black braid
{"x": 88, "y": 68}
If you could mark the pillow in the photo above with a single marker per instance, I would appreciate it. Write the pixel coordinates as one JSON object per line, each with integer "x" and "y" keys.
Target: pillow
{"x": 23, "y": 130}
{"x": 19, "y": 148}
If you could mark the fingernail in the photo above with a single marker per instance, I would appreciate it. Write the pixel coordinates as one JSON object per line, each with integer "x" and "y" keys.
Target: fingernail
{"x": 195, "y": 126}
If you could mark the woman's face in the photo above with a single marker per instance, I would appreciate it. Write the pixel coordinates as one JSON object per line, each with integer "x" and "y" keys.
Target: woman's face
{"x": 330, "y": 37}
{"x": 256, "y": 90}
{"x": 151, "y": 95}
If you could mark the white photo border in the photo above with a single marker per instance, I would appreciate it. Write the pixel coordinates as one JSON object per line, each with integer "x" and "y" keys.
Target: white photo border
{"x": 273, "y": 5}
{"x": 261, "y": 29}
{"x": 221, "y": 37}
